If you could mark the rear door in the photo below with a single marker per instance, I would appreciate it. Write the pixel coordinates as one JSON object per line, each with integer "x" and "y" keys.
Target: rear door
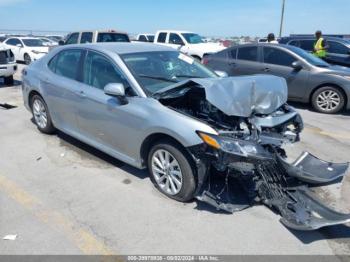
{"x": 61, "y": 88}
{"x": 247, "y": 62}
{"x": 278, "y": 62}
{"x": 338, "y": 53}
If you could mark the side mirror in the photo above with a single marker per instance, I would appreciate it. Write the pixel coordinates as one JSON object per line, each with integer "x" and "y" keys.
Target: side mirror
{"x": 61, "y": 42}
{"x": 297, "y": 65}
{"x": 221, "y": 74}
{"x": 116, "y": 90}
{"x": 19, "y": 45}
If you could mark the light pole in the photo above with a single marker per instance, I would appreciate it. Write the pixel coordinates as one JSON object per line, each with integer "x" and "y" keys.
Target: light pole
{"x": 282, "y": 17}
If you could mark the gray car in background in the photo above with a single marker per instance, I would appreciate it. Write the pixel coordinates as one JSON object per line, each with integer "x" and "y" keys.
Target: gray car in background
{"x": 200, "y": 136}
{"x": 309, "y": 79}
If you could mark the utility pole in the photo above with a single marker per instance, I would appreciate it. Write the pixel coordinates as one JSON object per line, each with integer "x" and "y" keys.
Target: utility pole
{"x": 282, "y": 17}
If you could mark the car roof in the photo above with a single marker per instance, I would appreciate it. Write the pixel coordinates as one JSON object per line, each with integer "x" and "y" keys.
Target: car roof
{"x": 125, "y": 48}
{"x": 312, "y": 37}
{"x": 174, "y": 31}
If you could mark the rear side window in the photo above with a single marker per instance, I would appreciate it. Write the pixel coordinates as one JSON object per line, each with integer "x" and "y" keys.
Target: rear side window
{"x": 338, "y": 48}
{"x": 66, "y": 63}
{"x": 112, "y": 37}
{"x": 307, "y": 45}
{"x": 14, "y": 42}
{"x": 277, "y": 57}
{"x": 161, "y": 38}
{"x": 72, "y": 39}
{"x": 86, "y": 37}
{"x": 100, "y": 71}
{"x": 248, "y": 53}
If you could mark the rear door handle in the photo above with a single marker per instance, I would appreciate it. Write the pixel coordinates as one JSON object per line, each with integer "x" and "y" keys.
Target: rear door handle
{"x": 266, "y": 69}
{"x": 81, "y": 94}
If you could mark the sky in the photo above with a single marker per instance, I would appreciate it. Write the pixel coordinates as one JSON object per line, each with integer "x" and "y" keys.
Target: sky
{"x": 206, "y": 17}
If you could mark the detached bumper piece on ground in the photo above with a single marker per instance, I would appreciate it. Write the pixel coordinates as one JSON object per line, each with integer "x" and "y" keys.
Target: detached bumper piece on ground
{"x": 280, "y": 186}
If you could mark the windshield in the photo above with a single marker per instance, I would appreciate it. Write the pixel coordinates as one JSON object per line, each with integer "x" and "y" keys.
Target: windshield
{"x": 310, "y": 58}
{"x": 192, "y": 38}
{"x": 112, "y": 37}
{"x": 32, "y": 42}
{"x": 157, "y": 70}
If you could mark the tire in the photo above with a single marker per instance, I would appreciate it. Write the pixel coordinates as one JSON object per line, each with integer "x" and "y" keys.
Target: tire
{"x": 39, "y": 110}
{"x": 27, "y": 59}
{"x": 183, "y": 193}
{"x": 328, "y": 100}
{"x": 8, "y": 80}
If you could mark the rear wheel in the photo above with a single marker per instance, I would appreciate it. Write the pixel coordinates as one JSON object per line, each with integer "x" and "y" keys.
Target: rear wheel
{"x": 328, "y": 99}
{"x": 41, "y": 115}
{"x": 27, "y": 59}
{"x": 8, "y": 80}
{"x": 171, "y": 171}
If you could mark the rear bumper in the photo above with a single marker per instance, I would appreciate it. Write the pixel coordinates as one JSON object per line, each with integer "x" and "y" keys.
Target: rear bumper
{"x": 8, "y": 69}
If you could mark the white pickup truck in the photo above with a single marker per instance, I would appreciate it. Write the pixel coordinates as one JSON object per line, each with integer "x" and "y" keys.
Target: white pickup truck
{"x": 8, "y": 64}
{"x": 187, "y": 42}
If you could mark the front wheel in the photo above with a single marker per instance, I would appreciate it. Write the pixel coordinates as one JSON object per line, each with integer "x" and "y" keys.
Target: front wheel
{"x": 41, "y": 115}
{"x": 171, "y": 171}
{"x": 328, "y": 99}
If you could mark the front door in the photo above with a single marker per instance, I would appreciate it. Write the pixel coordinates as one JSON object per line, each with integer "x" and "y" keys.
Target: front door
{"x": 279, "y": 63}
{"x": 104, "y": 119}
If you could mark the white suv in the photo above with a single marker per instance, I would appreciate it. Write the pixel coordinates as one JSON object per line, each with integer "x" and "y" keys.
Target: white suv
{"x": 95, "y": 36}
{"x": 8, "y": 65}
{"x": 187, "y": 42}
{"x": 26, "y": 49}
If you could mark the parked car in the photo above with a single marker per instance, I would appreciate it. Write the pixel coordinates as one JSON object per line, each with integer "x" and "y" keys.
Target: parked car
{"x": 84, "y": 37}
{"x": 8, "y": 66}
{"x": 145, "y": 38}
{"x": 338, "y": 52}
{"x": 26, "y": 49}
{"x": 310, "y": 79}
{"x": 48, "y": 42}
{"x": 187, "y": 42}
{"x": 152, "y": 106}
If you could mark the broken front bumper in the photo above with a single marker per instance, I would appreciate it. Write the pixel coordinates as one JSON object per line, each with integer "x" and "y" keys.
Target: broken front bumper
{"x": 274, "y": 182}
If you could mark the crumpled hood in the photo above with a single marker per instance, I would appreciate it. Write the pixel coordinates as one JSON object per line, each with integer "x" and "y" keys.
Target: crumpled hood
{"x": 241, "y": 96}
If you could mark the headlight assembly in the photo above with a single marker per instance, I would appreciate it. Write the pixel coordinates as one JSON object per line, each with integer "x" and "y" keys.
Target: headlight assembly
{"x": 35, "y": 52}
{"x": 233, "y": 146}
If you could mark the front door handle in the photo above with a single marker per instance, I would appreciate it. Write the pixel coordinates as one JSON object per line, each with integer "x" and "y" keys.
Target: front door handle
{"x": 81, "y": 94}
{"x": 266, "y": 69}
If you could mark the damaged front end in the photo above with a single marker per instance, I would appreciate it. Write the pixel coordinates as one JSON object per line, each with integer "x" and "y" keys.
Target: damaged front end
{"x": 253, "y": 123}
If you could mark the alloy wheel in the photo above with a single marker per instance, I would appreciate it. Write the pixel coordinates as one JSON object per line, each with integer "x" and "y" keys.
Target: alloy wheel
{"x": 328, "y": 100}
{"x": 39, "y": 112}
{"x": 167, "y": 172}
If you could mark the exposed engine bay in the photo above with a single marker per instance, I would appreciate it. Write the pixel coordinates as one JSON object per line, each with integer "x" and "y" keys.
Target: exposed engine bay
{"x": 248, "y": 154}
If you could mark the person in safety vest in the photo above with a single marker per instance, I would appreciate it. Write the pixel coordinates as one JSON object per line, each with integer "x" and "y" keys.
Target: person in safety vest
{"x": 320, "y": 46}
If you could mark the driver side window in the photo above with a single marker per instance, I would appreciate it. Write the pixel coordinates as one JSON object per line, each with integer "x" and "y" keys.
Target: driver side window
{"x": 100, "y": 71}
{"x": 175, "y": 39}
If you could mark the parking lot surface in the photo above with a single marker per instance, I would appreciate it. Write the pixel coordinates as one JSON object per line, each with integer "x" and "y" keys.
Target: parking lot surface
{"x": 60, "y": 196}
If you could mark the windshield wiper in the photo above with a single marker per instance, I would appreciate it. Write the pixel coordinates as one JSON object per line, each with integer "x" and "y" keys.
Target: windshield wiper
{"x": 159, "y": 78}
